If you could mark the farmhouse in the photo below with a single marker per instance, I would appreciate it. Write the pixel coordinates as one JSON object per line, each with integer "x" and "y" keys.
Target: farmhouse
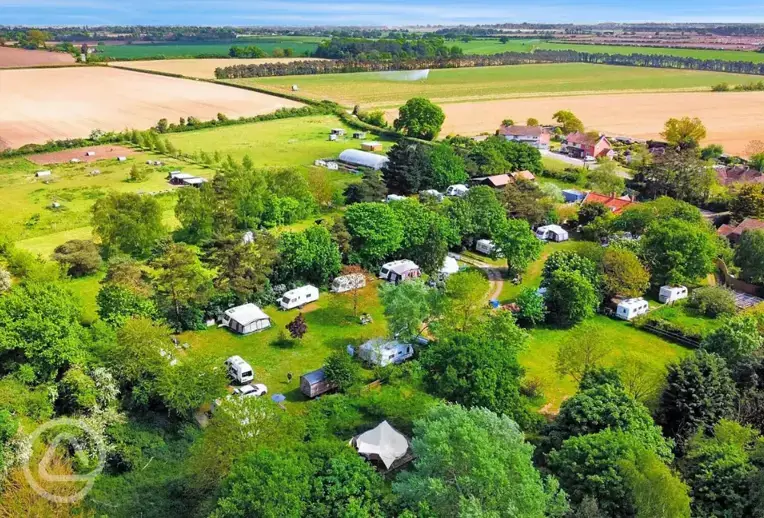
{"x": 582, "y": 145}
{"x": 536, "y": 136}
{"x": 615, "y": 204}
{"x": 246, "y": 319}
{"x": 382, "y": 352}
{"x": 314, "y": 383}
{"x": 401, "y": 270}
{"x": 733, "y": 233}
{"x": 356, "y": 158}
{"x": 728, "y": 175}
{"x": 383, "y": 445}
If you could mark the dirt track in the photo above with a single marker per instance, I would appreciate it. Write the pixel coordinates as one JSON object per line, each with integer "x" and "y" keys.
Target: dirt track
{"x": 202, "y": 68}
{"x": 733, "y": 119}
{"x": 43, "y": 104}
{"x": 11, "y": 57}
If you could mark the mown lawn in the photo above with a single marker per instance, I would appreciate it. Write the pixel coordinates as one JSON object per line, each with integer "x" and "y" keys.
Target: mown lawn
{"x": 378, "y": 89}
{"x": 625, "y": 343}
{"x": 532, "y": 275}
{"x": 494, "y": 46}
{"x": 272, "y": 353}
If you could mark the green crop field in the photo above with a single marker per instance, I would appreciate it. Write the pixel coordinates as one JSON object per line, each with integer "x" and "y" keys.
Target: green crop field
{"x": 474, "y": 84}
{"x": 494, "y": 46}
{"x": 300, "y": 46}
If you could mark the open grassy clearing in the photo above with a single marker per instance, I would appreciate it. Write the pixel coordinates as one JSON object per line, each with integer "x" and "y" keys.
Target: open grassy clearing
{"x": 494, "y": 46}
{"x": 299, "y": 44}
{"x": 374, "y": 89}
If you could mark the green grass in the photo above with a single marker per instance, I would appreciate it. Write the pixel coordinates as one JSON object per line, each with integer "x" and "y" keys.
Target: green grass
{"x": 300, "y": 45}
{"x": 272, "y": 354}
{"x": 86, "y": 290}
{"x": 685, "y": 317}
{"x": 473, "y": 84}
{"x": 494, "y": 46}
{"x": 532, "y": 275}
{"x": 624, "y": 341}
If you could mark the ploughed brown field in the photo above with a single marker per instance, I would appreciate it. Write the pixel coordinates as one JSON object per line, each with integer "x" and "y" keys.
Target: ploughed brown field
{"x": 62, "y": 157}
{"x": 733, "y": 119}
{"x": 10, "y": 57}
{"x": 44, "y": 104}
{"x": 202, "y": 68}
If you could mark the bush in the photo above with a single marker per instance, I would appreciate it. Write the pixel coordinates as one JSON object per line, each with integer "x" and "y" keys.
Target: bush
{"x": 713, "y": 301}
{"x": 79, "y": 256}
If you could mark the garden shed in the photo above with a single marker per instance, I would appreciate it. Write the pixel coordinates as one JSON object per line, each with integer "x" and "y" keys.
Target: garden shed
{"x": 314, "y": 383}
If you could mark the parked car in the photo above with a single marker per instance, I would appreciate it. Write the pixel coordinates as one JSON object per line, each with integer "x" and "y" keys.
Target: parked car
{"x": 253, "y": 390}
{"x": 238, "y": 370}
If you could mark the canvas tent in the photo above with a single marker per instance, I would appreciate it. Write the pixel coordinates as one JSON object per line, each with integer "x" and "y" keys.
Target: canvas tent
{"x": 246, "y": 319}
{"x": 450, "y": 267}
{"x": 384, "y": 444}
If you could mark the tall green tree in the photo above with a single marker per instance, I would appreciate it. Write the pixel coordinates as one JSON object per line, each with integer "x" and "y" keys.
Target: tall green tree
{"x": 475, "y": 463}
{"x": 195, "y": 210}
{"x": 678, "y": 252}
{"x": 679, "y": 174}
{"x": 183, "y": 286}
{"x": 79, "y": 256}
{"x": 128, "y": 223}
{"x": 371, "y": 188}
{"x": 623, "y": 274}
{"x": 376, "y": 233}
{"x": 420, "y": 118}
{"x": 309, "y": 256}
{"x": 407, "y": 171}
{"x": 446, "y": 167}
{"x": 409, "y": 307}
{"x": 518, "y": 244}
{"x": 570, "y": 297}
{"x": 242, "y": 269}
{"x": 749, "y": 254}
{"x": 568, "y": 122}
{"x": 685, "y": 133}
{"x": 748, "y": 202}
{"x": 736, "y": 339}
{"x": 426, "y": 235}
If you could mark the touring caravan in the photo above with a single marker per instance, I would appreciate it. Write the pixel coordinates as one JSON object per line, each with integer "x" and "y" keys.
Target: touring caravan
{"x": 349, "y": 282}
{"x": 631, "y": 308}
{"x": 400, "y": 270}
{"x": 246, "y": 319}
{"x": 485, "y": 246}
{"x": 552, "y": 233}
{"x": 298, "y": 297}
{"x": 383, "y": 352}
{"x": 457, "y": 190}
{"x": 670, "y": 294}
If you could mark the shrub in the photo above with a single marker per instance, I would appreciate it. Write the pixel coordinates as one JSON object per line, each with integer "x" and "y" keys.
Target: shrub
{"x": 79, "y": 256}
{"x": 713, "y": 301}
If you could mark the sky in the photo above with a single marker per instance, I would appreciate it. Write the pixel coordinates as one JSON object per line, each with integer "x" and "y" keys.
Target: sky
{"x": 364, "y": 12}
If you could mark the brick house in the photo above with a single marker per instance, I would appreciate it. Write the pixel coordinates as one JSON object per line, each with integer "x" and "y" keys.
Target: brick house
{"x": 734, "y": 232}
{"x": 581, "y": 145}
{"x": 728, "y": 175}
{"x": 616, "y": 204}
{"x": 536, "y": 136}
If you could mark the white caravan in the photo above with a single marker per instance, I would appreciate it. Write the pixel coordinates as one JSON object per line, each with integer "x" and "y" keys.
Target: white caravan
{"x": 631, "y": 308}
{"x": 298, "y": 297}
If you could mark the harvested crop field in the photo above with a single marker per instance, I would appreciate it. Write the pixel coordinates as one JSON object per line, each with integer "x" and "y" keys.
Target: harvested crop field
{"x": 732, "y": 119}
{"x": 40, "y": 105}
{"x": 202, "y": 68}
{"x": 62, "y": 157}
{"x": 10, "y": 57}
{"x": 388, "y": 89}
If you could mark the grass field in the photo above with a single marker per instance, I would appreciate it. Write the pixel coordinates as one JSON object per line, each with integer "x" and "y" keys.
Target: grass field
{"x": 300, "y": 45}
{"x": 373, "y": 89}
{"x": 494, "y": 46}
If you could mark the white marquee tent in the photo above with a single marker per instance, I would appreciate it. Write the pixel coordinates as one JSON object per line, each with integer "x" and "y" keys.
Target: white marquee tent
{"x": 383, "y": 443}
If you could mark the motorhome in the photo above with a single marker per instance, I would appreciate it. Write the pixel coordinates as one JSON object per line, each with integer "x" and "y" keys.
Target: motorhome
{"x": 238, "y": 370}
{"x": 298, "y": 297}
{"x": 348, "y": 282}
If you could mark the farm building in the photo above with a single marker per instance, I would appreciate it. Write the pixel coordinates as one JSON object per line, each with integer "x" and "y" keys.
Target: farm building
{"x": 397, "y": 271}
{"x": 457, "y": 190}
{"x": 498, "y": 181}
{"x": 348, "y": 282}
{"x": 582, "y": 145}
{"x": 314, "y": 383}
{"x": 43, "y": 174}
{"x": 616, "y": 204}
{"x": 552, "y": 233}
{"x": 733, "y": 233}
{"x": 246, "y": 319}
{"x": 670, "y": 294}
{"x": 631, "y": 308}
{"x": 535, "y": 136}
{"x": 383, "y": 444}
{"x": 382, "y": 352}
{"x": 359, "y": 135}
{"x": 573, "y": 196}
{"x": 178, "y": 178}
{"x": 356, "y": 158}
{"x": 371, "y": 146}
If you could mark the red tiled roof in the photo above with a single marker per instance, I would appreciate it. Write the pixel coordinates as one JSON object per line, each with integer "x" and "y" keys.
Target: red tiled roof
{"x": 739, "y": 174}
{"x": 523, "y": 175}
{"x": 522, "y": 131}
{"x": 499, "y": 180}
{"x": 734, "y": 232}
{"x": 614, "y": 203}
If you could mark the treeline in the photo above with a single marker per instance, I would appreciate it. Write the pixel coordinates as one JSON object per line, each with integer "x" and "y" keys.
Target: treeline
{"x": 342, "y": 66}
{"x": 386, "y": 49}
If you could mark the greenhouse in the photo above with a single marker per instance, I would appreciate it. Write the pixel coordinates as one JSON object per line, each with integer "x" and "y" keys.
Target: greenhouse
{"x": 358, "y": 158}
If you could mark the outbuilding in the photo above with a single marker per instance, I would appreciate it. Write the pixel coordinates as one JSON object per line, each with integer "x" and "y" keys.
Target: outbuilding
{"x": 383, "y": 445}
{"x": 194, "y": 181}
{"x": 359, "y": 135}
{"x": 670, "y": 294}
{"x": 179, "y": 178}
{"x": 382, "y": 352}
{"x": 357, "y": 158}
{"x": 552, "y": 233}
{"x": 573, "y": 196}
{"x": 43, "y": 174}
{"x": 344, "y": 283}
{"x": 631, "y": 308}
{"x": 246, "y": 319}
{"x": 314, "y": 383}
{"x": 371, "y": 146}
{"x": 401, "y": 270}
{"x": 298, "y": 297}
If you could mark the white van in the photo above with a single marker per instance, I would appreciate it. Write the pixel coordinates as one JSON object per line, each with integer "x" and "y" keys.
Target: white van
{"x": 298, "y": 297}
{"x": 349, "y": 282}
{"x": 631, "y": 308}
{"x": 239, "y": 370}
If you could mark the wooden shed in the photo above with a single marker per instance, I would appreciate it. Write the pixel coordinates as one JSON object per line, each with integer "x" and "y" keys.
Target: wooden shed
{"x": 314, "y": 383}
